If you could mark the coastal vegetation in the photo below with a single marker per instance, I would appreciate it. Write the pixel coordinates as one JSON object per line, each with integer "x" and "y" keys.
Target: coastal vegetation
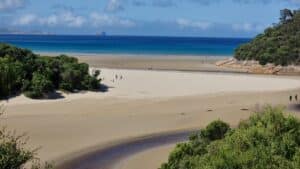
{"x": 13, "y": 154}
{"x": 268, "y": 140}
{"x": 36, "y": 76}
{"x": 279, "y": 44}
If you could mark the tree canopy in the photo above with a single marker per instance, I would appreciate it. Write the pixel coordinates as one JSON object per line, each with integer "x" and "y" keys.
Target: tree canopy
{"x": 279, "y": 44}
{"x": 268, "y": 140}
{"x": 35, "y": 76}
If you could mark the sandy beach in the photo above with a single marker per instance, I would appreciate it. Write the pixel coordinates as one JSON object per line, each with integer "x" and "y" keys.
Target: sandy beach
{"x": 157, "y": 62}
{"x": 149, "y": 84}
{"x": 141, "y": 102}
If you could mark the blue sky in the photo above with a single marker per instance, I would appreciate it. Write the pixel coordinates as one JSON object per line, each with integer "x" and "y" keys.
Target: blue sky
{"x": 209, "y": 18}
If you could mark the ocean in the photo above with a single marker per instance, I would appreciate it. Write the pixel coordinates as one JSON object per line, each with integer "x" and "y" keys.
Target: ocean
{"x": 140, "y": 45}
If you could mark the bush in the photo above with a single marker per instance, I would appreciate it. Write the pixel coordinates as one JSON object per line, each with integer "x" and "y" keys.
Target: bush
{"x": 38, "y": 87}
{"x": 91, "y": 83}
{"x": 23, "y": 71}
{"x": 41, "y": 84}
{"x": 13, "y": 155}
{"x": 268, "y": 140}
{"x": 33, "y": 94}
{"x": 215, "y": 130}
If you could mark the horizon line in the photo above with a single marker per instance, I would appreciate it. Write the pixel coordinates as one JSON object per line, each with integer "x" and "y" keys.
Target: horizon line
{"x": 125, "y": 35}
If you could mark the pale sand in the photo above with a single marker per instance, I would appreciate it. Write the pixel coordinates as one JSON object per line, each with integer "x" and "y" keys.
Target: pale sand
{"x": 188, "y": 63}
{"x": 142, "y": 84}
{"x": 158, "y": 62}
{"x": 144, "y": 102}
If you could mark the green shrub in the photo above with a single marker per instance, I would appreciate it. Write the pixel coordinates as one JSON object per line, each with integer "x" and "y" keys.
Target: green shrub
{"x": 13, "y": 155}
{"x": 23, "y": 71}
{"x": 91, "y": 83}
{"x": 41, "y": 84}
{"x": 33, "y": 94}
{"x": 268, "y": 140}
{"x": 66, "y": 87}
{"x": 215, "y": 130}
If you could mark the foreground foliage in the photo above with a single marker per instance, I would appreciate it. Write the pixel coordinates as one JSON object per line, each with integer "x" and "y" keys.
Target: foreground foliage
{"x": 279, "y": 44}
{"x": 268, "y": 140}
{"x": 13, "y": 155}
{"x": 35, "y": 76}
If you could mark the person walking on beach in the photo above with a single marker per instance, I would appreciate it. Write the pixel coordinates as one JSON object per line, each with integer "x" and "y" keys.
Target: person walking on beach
{"x": 291, "y": 98}
{"x": 296, "y": 97}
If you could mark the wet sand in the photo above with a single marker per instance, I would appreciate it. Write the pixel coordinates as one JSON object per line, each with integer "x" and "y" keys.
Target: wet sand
{"x": 154, "y": 158}
{"x": 110, "y": 156}
{"x": 157, "y": 62}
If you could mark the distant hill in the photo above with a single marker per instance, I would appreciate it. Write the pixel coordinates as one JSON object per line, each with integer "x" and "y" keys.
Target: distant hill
{"x": 279, "y": 44}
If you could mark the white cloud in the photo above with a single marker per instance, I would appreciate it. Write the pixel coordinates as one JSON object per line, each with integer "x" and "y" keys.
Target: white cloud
{"x": 50, "y": 20}
{"x": 163, "y": 3}
{"x": 139, "y": 3}
{"x": 100, "y": 20}
{"x": 6, "y": 5}
{"x": 114, "y": 6}
{"x": 26, "y": 19}
{"x": 65, "y": 18}
{"x": 185, "y": 23}
{"x": 170, "y": 3}
{"x": 265, "y": 1}
{"x": 248, "y": 27}
{"x": 69, "y": 19}
{"x": 72, "y": 20}
{"x": 295, "y": 1}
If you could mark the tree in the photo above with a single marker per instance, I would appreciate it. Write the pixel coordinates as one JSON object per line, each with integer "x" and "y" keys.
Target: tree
{"x": 10, "y": 76}
{"x": 285, "y": 15}
{"x": 279, "y": 44}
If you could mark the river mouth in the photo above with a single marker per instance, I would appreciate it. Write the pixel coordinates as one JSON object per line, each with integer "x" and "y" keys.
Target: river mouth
{"x": 107, "y": 157}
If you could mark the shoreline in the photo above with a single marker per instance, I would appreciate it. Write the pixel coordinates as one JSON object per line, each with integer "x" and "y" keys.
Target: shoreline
{"x": 185, "y": 63}
{"x": 105, "y": 155}
{"x": 139, "y": 55}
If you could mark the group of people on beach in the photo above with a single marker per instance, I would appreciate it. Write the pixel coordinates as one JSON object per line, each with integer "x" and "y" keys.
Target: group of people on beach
{"x": 117, "y": 77}
{"x": 296, "y": 98}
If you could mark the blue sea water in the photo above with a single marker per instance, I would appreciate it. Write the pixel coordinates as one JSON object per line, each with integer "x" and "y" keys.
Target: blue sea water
{"x": 126, "y": 44}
